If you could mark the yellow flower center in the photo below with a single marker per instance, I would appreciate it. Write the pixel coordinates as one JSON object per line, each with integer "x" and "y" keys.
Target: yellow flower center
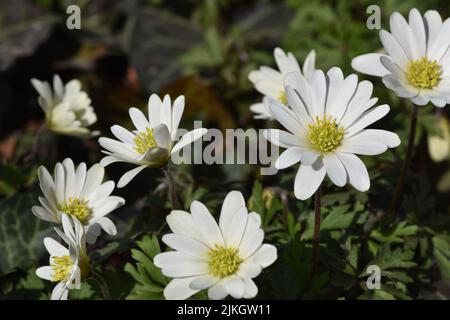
{"x": 77, "y": 208}
{"x": 62, "y": 266}
{"x": 144, "y": 141}
{"x": 325, "y": 134}
{"x": 424, "y": 74}
{"x": 282, "y": 97}
{"x": 223, "y": 261}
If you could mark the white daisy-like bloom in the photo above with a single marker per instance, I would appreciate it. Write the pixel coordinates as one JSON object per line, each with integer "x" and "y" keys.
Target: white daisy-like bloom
{"x": 154, "y": 140}
{"x": 223, "y": 258}
{"x": 67, "y": 108}
{"x": 326, "y": 127}
{"x": 416, "y": 64}
{"x": 269, "y": 81}
{"x": 80, "y": 193}
{"x": 67, "y": 266}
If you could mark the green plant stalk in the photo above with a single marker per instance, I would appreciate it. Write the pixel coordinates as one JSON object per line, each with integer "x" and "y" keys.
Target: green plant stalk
{"x": 316, "y": 235}
{"x": 401, "y": 180}
{"x": 102, "y": 284}
{"x": 172, "y": 190}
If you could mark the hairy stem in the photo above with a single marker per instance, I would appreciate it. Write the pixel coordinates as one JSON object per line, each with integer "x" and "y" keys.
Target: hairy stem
{"x": 315, "y": 243}
{"x": 102, "y": 284}
{"x": 401, "y": 180}
{"x": 172, "y": 190}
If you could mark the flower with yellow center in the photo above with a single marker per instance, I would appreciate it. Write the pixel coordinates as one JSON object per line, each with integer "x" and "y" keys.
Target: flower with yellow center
{"x": 61, "y": 266}
{"x": 153, "y": 142}
{"x": 223, "y": 262}
{"x": 269, "y": 82}
{"x": 223, "y": 258}
{"x": 423, "y": 73}
{"x": 416, "y": 62}
{"x": 68, "y": 266}
{"x": 326, "y": 127}
{"x": 325, "y": 135}
{"x": 67, "y": 108}
{"x": 80, "y": 193}
{"x": 77, "y": 208}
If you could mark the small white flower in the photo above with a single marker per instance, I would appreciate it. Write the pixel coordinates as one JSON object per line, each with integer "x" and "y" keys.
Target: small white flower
{"x": 222, "y": 258}
{"x": 153, "y": 143}
{"x": 417, "y": 60}
{"x": 326, "y": 125}
{"x": 67, "y": 109}
{"x": 79, "y": 193}
{"x": 269, "y": 81}
{"x": 69, "y": 266}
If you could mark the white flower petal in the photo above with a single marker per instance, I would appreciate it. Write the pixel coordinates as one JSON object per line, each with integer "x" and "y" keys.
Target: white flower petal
{"x": 232, "y": 203}
{"x": 177, "y": 113}
{"x": 45, "y": 273}
{"x": 234, "y": 286}
{"x": 162, "y": 137}
{"x": 367, "y": 119}
{"x": 265, "y": 255}
{"x": 206, "y": 224}
{"x": 203, "y": 282}
{"x": 139, "y": 120}
{"x": 188, "y": 138}
{"x": 181, "y": 222}
{"x": 288, "y": 158}
{"x": 217, "y": 291}
{"x": 235, "y": 231}
{"x": 128, "y": 176}
{"x": 94, "y": 178}
{"x": 178, "y": 289}
{"x": 186, "y": 245}
{"x": 307, "y": 180}
{"x": 356, "y": 170}
{"x": 251, "y": 290}
{"x": 55, "y": 248}
{"x": 370, "y": 64}
{"x": 253, "y": 236}
{"x": 335, "y": 169}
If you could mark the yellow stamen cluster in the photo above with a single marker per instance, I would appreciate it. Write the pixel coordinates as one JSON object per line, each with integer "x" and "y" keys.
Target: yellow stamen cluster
{"x": 223, "y": 261}
{"x": 325, "y": 134}
{"x": 282, "y": 97}
{"x": 144, "y": 141}
{"x": 62, "y": 266}
{"x": 77, "y": 208}
{"x": 423, "y": 73}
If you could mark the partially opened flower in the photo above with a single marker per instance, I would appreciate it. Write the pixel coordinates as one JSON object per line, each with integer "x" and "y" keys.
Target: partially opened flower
{"x": 67, "y": 266}
{"x": 222, "y": 258}
{"x": 416, "y": 64}
{"x": 67, "y": 108}
{"x": 79, "y": 193}
{"x": 269, "y": 81}
{"x": 326, "y": 126}
{"x": 153, "y": 142}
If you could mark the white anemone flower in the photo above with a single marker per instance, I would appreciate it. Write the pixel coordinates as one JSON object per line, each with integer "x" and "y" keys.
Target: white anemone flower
{"x": 67, "y": 266}
{"x": 80, "y": 193}
{"x": 153, "y": 142}
{"x": 223, "y": 258}
{"x": 67, "y": 108}
{"x": 416, "y": 64}
{"x": 269, "y": 81}
{"x": 326, "y": 126}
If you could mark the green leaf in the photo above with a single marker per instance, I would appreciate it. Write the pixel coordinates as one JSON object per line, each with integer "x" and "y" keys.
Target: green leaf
{"x": 21, "y": 233}
{"x": 150, "y": 280}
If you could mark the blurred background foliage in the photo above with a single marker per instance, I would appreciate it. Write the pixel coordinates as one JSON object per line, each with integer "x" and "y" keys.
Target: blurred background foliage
{"x": 127, "y": 50}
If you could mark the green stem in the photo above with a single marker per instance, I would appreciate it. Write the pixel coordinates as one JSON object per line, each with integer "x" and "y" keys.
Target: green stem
{"x": 315, "y": 243}
{"x": 172, "y": 190}
{"x": 102, "y": 284}
{"x": 401, "y": 180}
